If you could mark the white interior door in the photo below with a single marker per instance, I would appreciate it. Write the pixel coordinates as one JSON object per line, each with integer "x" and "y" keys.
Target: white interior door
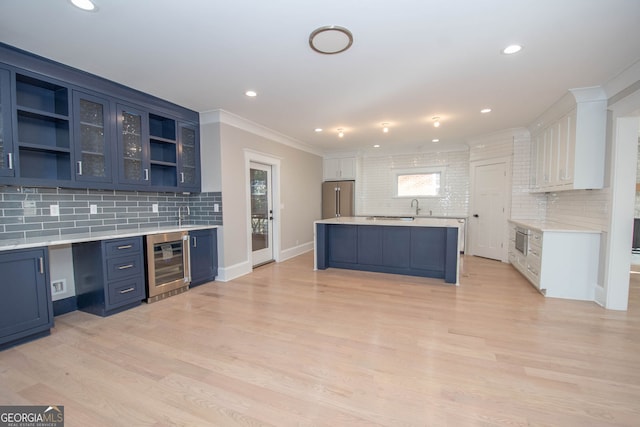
{"x": 489, "y": 211}
{"x": 261, "y": 213}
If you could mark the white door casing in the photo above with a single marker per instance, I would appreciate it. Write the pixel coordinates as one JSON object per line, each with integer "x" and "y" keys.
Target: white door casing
{"x": 490, "y": 202}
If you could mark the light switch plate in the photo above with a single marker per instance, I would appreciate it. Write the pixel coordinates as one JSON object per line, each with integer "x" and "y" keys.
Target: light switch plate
{"x": 216, "y": 207}
{"x": 154, "y": 208}
{"x": 54, "y": 210}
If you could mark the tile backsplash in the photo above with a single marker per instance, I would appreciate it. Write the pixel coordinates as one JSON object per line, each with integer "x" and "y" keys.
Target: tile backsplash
{"x": 26, "y": 212}
{"x": 374, "y": 184}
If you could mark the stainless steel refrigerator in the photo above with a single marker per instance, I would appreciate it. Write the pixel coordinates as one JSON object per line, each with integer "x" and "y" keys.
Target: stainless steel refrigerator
{"x": 338, "y": 198}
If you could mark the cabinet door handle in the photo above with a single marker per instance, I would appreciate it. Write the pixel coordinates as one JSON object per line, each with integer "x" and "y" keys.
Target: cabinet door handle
{"x": 124, "y": 247}
{"x": 10, "y": 160}
{"x": 124, "y": 267}
{"x": 126, "y": 291}
{"x": 146, "y": 174}
{"x": 195, "y": 242}
{"x": 182, "y": 177}
{"x": 80, "y": 167}
{"x": 41, "y": 262}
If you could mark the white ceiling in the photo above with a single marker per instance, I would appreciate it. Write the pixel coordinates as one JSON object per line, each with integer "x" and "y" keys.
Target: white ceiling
{"x": 410, "y": 60}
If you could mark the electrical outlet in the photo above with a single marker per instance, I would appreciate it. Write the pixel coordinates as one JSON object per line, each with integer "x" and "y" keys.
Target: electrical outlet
{"x": 58, "y": 286}
{"x": 29, "y": 207}
{"x": 54, "y": 210}
{"x": 154, "y": 208}
{"x": 216, "y": 207}
{"x": 93, "y": 209}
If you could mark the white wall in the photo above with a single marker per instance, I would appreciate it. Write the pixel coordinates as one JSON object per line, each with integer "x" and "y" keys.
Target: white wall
{"x": 375, "y": 189}
{"x": 300, "y": 187}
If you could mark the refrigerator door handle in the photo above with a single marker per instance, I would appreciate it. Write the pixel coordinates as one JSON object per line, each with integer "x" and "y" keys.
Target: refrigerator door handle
{"x": 337, "y": 201}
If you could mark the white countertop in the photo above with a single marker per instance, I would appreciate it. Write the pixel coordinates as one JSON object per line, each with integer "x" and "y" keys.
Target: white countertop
{"x": 416, "y": 222}
{"x": 37, "y": 242}
{"x": 552, "y": 226}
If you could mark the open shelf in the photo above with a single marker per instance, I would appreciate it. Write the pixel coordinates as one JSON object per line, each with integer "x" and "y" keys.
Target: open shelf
{"x": 41, "y": 95}
{"x": 162, "y": 127}
{"x": 164, "y": 175}
{"x": 45, "y": 164}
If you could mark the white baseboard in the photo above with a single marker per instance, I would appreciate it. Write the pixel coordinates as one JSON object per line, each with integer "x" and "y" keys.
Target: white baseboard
{"x": 295, "y": 251}
{"x": 600, "y": 296}
{"x": 226, "y": 274}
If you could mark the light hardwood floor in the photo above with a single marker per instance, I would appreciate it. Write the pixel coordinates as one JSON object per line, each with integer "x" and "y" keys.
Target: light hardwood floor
{"x": 287, "y": 346}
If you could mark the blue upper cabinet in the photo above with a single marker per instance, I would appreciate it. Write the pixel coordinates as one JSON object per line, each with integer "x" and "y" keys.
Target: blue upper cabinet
{"x": 42, "y": 131}
{"x": 63, "y": 127}
{"x": 133, "y": 147}
{"x": 6, "y": 138}
{"x": 189, "y": 157}
{"x": 92, "y": 136}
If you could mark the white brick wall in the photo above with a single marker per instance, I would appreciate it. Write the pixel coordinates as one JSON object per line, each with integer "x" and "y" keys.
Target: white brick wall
{"x": 374, "y": 184}
{"x": 587, "y": 208}
{"x": 524, "y": 204}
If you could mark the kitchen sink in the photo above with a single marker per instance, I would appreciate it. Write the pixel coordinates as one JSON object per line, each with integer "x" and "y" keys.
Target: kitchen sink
{"x": 390, "y": 218}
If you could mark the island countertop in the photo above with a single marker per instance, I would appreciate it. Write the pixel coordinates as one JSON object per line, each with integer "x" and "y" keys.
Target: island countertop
{"x": 395, "y": 221}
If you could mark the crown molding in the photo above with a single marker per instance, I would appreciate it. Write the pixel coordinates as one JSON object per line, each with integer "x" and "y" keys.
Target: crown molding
{"x": 227, "y": 118}
{"x": 502, "y": 136}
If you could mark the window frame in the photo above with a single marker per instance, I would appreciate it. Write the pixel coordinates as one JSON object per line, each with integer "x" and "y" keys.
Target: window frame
{"x": 395, "y": 173}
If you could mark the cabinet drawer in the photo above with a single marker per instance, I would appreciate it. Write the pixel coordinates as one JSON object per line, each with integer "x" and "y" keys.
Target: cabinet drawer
{"x": 119, "y": 268}
{"x": 122, "y": 247}
{"x": 125, "y": 291}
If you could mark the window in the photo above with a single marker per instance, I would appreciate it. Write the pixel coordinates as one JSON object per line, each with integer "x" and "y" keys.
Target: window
{"x": 418, "y": 183}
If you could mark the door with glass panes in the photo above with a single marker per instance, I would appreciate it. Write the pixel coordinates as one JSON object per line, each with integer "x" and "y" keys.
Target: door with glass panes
{"x": 261, "y": 213}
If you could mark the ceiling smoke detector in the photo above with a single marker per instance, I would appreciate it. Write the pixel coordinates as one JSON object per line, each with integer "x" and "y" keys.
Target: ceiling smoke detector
{"x": 330, "y": 39}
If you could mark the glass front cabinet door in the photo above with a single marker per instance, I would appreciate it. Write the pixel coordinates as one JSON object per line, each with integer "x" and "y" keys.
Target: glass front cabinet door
{"x": 133, "y": 146}
{"x": 91, "y": 131}
{"x": 189, "y": 176}
{"x": 6, "y": 147}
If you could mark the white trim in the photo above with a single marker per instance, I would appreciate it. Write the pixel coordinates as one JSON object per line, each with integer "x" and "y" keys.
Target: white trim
{"x": 500, "y": 137}
{"x": 222, "y": 116}
{"x": 226, "y": 274}
{"x": 274, "y": 162}
{"x": 295, "y": 251}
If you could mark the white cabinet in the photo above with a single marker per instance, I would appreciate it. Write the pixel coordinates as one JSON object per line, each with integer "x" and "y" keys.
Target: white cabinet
{"x": 559, "y": 263}
{"x": 339, "y": 168}
{"x": 568, "y": 143}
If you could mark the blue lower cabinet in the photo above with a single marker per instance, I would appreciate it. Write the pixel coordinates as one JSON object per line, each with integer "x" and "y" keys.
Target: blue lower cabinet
{"x": 411, "y": 250}
{"x": 343, "y": 244}
{"x": 26, "y": 310}
{"x": 370, "y": 245}
{"x": 109, "y": 275}
{"x": 203, "y": 248}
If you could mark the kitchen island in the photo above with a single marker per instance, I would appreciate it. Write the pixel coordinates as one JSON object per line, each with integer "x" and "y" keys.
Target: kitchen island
{"x": 426, "y": 247}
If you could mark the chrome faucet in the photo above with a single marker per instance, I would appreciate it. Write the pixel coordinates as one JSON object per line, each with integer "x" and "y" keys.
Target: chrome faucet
{"x": 417, "y": 205}
{"x": 182, "y": 217}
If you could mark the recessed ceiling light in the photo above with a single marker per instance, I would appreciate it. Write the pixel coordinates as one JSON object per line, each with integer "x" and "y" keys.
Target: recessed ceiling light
{"x": 376, "y": 146}
{"x": 435, "y": 140}
{"x": 340, "y": 132}
{"x": 87, "y": 5}
{"x": 385, "y": 127}
{"x": 251, "y": 93}
{"x": 511, "y": 49}
{"x": 318, "y": 130}
{"x": 330, "y": 39}
{"x": 436, "y": 122}
{"x": 485, "y": 110}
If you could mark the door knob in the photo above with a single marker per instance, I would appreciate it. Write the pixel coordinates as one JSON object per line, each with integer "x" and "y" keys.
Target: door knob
{"x": 476, "y": 216}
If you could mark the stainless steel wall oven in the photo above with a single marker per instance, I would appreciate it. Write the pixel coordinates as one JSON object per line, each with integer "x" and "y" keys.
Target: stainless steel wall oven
{"x": 168, "y": 270}
{"x": 522, "y": 240}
